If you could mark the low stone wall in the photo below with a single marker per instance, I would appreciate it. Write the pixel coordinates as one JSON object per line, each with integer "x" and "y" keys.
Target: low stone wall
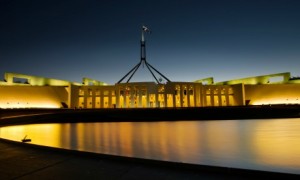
{"x": 29, "y": 116}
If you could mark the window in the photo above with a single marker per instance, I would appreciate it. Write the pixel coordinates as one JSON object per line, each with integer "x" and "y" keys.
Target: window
{"x": 207, "y": 91}
{"x": 20, "y": 80}
{"x": 90, "y": 92}
{"x": 81, "y": 92}
{"x": 97, "y": 92}
{"x": 230, "y": 91}
{"x": 161, "y": 89}
{"x": 105, "y": 93}
{"x": 223, "y": 91}
{"x": 216, "y": 91}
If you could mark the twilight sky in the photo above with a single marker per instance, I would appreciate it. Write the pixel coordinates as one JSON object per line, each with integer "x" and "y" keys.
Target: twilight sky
{"x": 190, "y": 39}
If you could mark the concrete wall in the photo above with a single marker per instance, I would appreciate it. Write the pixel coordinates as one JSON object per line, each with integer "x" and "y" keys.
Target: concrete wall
{"x": 265, "y": 79}
{"x": 33, "y": 96}
{"x": 273, "y": 94}
{"x": 239, "y": 94}
{"x": 34, "y": 80}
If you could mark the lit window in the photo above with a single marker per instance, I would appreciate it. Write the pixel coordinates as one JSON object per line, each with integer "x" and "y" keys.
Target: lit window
{"x": 105, "y": 93}
{"x": 90, "y": 92}
{"x": 81, "y": 92}
{"x": 97, "y": 92}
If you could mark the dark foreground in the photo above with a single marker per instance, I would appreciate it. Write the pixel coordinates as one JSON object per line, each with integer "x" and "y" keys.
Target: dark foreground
{"x": 24, "y": 161}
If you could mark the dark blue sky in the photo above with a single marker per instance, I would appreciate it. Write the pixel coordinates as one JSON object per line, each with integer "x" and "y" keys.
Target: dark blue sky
{"x": 190, "y": 40}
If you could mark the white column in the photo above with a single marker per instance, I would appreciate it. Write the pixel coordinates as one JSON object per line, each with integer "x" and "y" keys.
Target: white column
{"x": 181, "y": 95}
{"x": 174, "y": 96}
{"x": 110, "y": 98}
{"x": 131, "y": 97}
{"x": 93, "y": 98}
{"x": 165, "y": 99}
{"x": 102, "y": 98}
{"x": 188, "y": 95}
{"x": 140, "y": 96}
{"x": 117, "y": 94}
{"x": 85, "y": 97}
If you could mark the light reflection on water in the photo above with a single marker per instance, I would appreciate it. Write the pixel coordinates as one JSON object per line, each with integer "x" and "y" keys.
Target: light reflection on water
{"x": 272, "y": 144}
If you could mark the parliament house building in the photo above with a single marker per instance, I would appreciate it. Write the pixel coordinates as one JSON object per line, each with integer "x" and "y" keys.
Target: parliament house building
{"x": 25, "y": 91}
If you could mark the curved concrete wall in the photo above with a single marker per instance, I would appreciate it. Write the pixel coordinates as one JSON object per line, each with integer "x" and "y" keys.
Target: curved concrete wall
{"x": 33, "y": 96}
{"x": 272, "y": 94}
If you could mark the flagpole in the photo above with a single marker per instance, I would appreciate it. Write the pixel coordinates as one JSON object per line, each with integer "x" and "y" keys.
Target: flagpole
{"x": 143, "y": 39}
{"x": 143, "y": 61}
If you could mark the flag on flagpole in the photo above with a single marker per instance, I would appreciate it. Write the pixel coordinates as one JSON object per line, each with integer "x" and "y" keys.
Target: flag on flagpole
{"x": 146, "y": 29}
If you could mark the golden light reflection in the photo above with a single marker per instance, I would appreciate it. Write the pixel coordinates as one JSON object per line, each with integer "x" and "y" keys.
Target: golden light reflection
{"x": 65, "y": 138}
{"x": 277, "y": 143}
{"x": 188, "y": 140}
{"x": 127, "y": 142}
{"x": 48, "y": 135}
{"x": 222, "y": 138}
{"x": 81, "y": 135}
{"x": 254, "y": 144}
{"x": 163, "y": 140}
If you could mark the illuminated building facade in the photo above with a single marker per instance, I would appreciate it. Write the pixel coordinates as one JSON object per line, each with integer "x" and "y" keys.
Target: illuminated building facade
{"x": 24, "y": 91}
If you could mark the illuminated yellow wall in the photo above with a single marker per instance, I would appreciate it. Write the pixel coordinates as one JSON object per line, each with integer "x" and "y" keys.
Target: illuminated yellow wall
{"x": 3, "y": 83}
{"x": 32, "y": 96}
{"x": 297, "y": 81}
{"x": 207, "y": 81}
{"x": 34, "y": 80}
{"x": 89, "y": 81}
{"x": 73, "y": 92}
{"x": 39, "y": 92}
{"x": 273, "y": 94}
{"x": 265, "y": 79}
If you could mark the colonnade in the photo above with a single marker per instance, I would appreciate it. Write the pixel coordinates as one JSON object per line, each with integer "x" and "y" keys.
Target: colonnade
{"x": 152, "y": 95}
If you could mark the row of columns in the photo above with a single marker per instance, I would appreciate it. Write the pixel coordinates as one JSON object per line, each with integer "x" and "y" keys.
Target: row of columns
{"x": 140, "y": 96}
{"x": 185, "y": 95}
{"x": 87, "y": 96}
{"x": 223, "y": 94}
{"x": 131, "y": 101}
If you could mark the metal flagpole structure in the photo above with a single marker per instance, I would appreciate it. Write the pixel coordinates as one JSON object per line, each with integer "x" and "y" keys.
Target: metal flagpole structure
{"x": 143, "y": 61}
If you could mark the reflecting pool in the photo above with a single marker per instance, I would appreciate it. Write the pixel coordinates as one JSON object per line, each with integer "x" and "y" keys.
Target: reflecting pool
{"x": 268, "y": 144}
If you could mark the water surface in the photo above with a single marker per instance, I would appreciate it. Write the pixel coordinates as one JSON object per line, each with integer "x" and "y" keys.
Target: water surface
{"x": 269, "y": 144}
